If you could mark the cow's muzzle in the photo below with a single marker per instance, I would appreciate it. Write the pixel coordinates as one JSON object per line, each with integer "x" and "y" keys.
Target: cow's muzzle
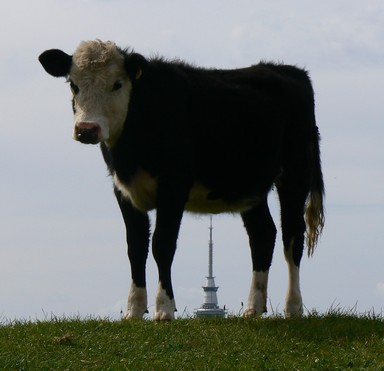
{"x": 87, "y": 132}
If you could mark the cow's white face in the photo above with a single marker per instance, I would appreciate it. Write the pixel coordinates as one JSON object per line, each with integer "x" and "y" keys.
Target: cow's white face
{"x": 101, "y": 91}
{"x": 100, "y": 76}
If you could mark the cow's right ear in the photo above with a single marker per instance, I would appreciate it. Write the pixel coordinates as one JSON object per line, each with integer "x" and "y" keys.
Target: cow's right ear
{"x": 56, "y": 62}
{"x": 135, "y": 65}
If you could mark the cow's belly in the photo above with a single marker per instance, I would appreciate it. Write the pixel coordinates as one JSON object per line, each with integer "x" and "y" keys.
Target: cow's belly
{"x": 199, "y": 202}
{"x": 142, "y": 189}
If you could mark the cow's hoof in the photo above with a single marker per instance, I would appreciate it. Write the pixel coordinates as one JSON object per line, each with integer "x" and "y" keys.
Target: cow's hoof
{"x": 294, "y": 305}
{"x": 163, "y": 316}
{"x": 254, "y": 312}
{"x": 249, "y": 312}
{"x": 130, "y": 314}
{"x": 294, "y": 310}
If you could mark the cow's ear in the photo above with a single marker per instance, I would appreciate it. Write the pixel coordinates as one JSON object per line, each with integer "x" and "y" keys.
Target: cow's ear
{"x": 56, "y": 62}
{"x": 135, "y": 65}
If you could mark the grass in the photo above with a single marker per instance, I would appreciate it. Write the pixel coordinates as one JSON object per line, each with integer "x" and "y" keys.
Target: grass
{"x": 315, "y": 342}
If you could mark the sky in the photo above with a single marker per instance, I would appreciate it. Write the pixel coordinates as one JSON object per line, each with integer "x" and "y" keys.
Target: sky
{"x": 62, "y": 239}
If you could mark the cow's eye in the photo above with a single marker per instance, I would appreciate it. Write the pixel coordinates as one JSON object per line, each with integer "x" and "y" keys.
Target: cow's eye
{"x": 75, "y": 89}
{"x": 117, "y": 85}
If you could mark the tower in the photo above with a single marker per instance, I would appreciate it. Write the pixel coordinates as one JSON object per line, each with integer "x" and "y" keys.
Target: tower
{"x": 210, "y": 307}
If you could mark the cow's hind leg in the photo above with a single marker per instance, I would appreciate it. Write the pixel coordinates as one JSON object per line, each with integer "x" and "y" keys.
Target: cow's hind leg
{"x": 137, "y": 233}
{"x": 262, "y": 235}
{"x": 292, "y": 200}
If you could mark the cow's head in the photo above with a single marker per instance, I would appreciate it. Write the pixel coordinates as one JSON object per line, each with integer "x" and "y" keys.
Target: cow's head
{"x": 101, "y": 77}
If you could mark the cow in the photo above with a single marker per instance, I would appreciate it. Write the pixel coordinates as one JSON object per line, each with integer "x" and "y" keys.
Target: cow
{"x": 176, "y": 137}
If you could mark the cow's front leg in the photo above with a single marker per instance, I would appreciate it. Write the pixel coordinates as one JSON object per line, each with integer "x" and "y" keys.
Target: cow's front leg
{"x": 137, "y": 230}
{"x": 171, "y": 198}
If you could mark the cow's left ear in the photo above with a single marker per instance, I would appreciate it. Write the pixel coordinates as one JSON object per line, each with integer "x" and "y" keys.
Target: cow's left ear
{"x": 135, "y": 65}
{"x": 56, "y": 62}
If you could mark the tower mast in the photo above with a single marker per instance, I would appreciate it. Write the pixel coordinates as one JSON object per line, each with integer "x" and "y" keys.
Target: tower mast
{"x": 210, "y": 250}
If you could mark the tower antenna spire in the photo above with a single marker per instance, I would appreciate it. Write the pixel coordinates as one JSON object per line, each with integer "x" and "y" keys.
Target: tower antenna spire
{"x": 210, "y": 250}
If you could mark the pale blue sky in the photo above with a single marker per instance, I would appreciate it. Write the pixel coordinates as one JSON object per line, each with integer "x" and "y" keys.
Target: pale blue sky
{"x": 62, "y": 247}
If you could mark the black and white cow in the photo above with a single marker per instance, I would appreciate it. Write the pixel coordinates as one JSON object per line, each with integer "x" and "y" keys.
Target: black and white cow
{"x": 176, "y": 137}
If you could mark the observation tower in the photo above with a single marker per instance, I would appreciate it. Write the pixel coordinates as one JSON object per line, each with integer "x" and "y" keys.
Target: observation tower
{"x": 210, "y": 307}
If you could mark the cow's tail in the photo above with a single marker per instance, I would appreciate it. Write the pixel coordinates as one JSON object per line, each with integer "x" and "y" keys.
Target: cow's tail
{"x": 314, "y": 208}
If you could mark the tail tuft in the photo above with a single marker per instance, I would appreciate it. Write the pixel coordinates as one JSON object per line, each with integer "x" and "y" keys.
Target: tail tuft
{"x": 314, "y": 218}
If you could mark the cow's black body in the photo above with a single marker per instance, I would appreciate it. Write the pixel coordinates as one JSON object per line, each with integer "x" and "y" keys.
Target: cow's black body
{"x": 236, "y": 133}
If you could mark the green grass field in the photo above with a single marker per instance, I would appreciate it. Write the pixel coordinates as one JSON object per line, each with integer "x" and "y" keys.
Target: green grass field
{"x": 316, "y": 342}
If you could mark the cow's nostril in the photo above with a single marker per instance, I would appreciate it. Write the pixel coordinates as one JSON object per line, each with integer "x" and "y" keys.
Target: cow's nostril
{"x": 88, "y": 133}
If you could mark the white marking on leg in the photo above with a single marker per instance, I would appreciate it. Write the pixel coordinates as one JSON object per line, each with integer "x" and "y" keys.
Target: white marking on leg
{"x": 257, "y": 299}
{"x": 137, "y": 302}
{"x": 294, "y": 301}
{"x": 165, "y": 307}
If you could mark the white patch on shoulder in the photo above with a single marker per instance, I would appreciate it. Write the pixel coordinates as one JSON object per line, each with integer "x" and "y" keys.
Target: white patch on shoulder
{"x": 198, "y": 202}
{"x": 165, "y": 307}
{"x": 141, "y": 190}
{"x": 137, "y": 302}
{"x": 293, "y": 301}
{"x": 257, "y": 299}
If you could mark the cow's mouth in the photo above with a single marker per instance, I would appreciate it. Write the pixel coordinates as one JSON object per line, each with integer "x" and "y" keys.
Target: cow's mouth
{"x": 87, "y": 133}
